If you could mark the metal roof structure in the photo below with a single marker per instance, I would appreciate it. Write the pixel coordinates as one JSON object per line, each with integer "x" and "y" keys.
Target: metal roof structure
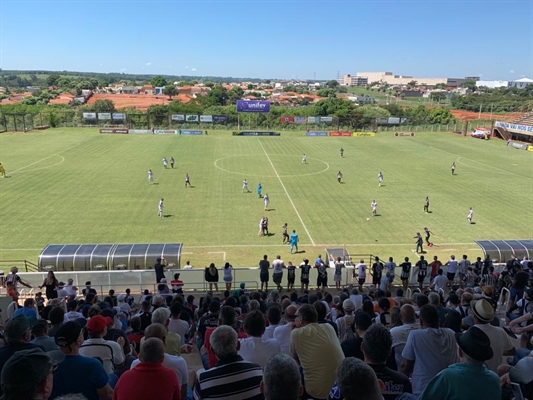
{"x": 502, "y": 250}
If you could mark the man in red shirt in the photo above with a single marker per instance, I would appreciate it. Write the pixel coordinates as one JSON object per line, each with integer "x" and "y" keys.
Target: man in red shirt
{"x": 149, "y": 376}
{"x": 226, "y": 316}
{"x": 435, "y": 266}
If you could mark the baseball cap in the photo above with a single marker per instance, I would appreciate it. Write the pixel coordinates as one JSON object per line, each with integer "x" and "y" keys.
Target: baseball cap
{"x": 16, "y": 327}
{"x": 28, "y": 368}
{"x": 67, "y": 334}
{"x": 98, "y": 323}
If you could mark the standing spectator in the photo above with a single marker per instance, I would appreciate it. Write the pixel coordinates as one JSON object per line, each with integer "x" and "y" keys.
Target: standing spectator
{"x": 422, "y": 266}
{"x": 304, "y": 276}
{"x": 322, "y": 277}
{"x": 78, "y": 374}
{"x": 428, "y": 350}
{"x": 264, "y": 265}
{"x": 149, "y": 376}
{"x": 27, "y": 375}
{"x": 228, "y": 275}
{"x": 361, "y": 273}
{"x": 159, "y": 268}
{"x": 435, "y": 266}
{"x": 277, "y": 274}
{"x": 390, "y": 268}
{"x": 175, "y": 363}
{"x": 50, "y": 284}
{"x": 281, "y": 379}
{"x": 464, "y": 264}
{"x": 405, "y": 275}
{"x": 255, "y": 348}
{"x": 72, "y": 291}
{"x": 452, "y": 269}
{"x": 232, "y": 378}
{"x": 474, "y": 348}
{"x": 310, "y": 341}
{"x": 377, "y": 345}
{"x": 211, "y": 276}
{"x": 12, "y": 281}
{"x": 337, "y": 275}
{"x": 440, "y": 282}
{"x": 377, "y": 271}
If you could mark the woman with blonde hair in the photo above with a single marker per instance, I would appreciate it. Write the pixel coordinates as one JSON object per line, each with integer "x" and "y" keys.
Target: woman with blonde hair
{"x": 211, "y": 276}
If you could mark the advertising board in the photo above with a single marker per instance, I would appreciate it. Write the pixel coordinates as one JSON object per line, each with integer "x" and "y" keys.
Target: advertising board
{"x": 119, "y": 116}
{"x": 177, "y": 117}
{"x": 300, "y": 120}
{"x": 336, "y": 133}
{"x": 364, "y": 134}
{"x": 190, "y": 132}
{"x": 255, "y": 133}
{"x": 89, "y": 115}
{"x": 206, "y": 118}
{"x": 104, "y": 116}
{"x": 316, "y": 134}
{"x": 113, "y": 130}
{"x": 191, "y": 118}
{"x": 326, "y": 119}
{"x": 253, "y": 106}
{"x": 286, "y": 119}
{"x": 220, "y": 119}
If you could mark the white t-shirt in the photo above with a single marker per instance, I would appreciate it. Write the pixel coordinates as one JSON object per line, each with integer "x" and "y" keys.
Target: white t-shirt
{"x": 72, "y": 315}
{"x": 440, "y": 282}
{"x": 228, "y": 272}
{"x": 361, "y": 270}
{"x": 357, "y": 300}
{"x": 108, "y": 351}
{"x": 180, "y": 327}
{"x": 282, "y": 334}
{"x": 175, "y": 363}
{"x": 259, "y": 350}
{"x": 399, "y": 338}
{"x": 269, "y": 332}
{"x": 452, "y": 266}
{"x": 277, "y": 265}
{"x": 384, "y": 282}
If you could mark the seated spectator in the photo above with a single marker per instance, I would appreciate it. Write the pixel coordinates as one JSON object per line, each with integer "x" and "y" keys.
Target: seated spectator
{"x": 356, "y": 381}
{"x": 146, "y": 314}
{"x": 149, "y": 376}
{"x": 123, "y": 305}
{"x": 310, "y": 342}
{"x": 72, "y": 314}
{"x": 384, "y": 317}
{"x": 208, "y": 320}
{"x": 162, "y": 288}
{"x": 176, "y": 324}
{"x": 377, "y": 346}
{"x": 175, "y": 363}
{"x": 135, "y": 334}
{"x": 434, "y": 300}
{"x": 40, "y": 333}
{"x": 172, "y": 341}
{"x": 395, "y": 317}
{"x": 453, "y": 321}
{"x": 232, "y": 378}
{"x": 274, "y": 318}
{"x": 343, "y": 323}
{"x": 110, "y": 353}
{"x": 521, "y": 373}
{"x": 281, "y": 379}
{"x": 56, "y": 318}
{"x": 428, "y": 350}
{"x": 78, "y": 374}
{"x": 29, "y": 310}
{"x": 474, "y": 348}
{"x": 255, "y": 348}
{"x": 27, "y": 374}
{"x": 282, "y": 333}
{"x": 322, "y": 313}
{"x": 352, "y": 347}
{"x": 399, "y": 299}
{"x": 400, "y": 333}
{"x": 17, "y": 336}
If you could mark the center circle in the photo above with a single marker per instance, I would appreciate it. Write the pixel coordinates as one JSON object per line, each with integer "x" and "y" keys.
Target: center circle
{"x": 219, "y": 163}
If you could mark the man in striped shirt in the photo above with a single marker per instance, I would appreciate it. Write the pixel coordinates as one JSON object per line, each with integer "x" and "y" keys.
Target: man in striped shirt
{"x": 232, "y": 378}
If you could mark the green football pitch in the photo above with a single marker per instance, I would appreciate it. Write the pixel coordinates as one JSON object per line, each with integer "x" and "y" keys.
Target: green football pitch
{"x": 78, "y": 186}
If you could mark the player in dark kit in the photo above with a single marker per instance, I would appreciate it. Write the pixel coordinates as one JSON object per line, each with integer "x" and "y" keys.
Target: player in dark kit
{"x": 419, "y": 243}
{"x": 286, "y": 237}
{"x": 342, "y": 152}
{"x": 428, "y": 234}
{"x": 426, "y": 204}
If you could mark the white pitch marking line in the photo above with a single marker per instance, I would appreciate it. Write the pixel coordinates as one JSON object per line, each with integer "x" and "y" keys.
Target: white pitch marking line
{"x": 187, "y": 252}
{"x": 218, "y": 252}
{"x": 286, "y": 192}
{"x": 46, "y": 158}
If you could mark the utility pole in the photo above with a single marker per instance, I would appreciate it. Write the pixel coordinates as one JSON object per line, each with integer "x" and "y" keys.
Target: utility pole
{"x": 479, "y": 115}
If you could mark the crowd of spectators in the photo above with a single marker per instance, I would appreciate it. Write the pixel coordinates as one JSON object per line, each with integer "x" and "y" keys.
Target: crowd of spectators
{"x": 444, "y": 342}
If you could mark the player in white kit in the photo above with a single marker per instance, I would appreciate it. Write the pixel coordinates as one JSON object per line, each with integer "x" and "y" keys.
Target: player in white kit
{"x": 380, "y": 178}
{"x": 160, "y": 213}
{"x": 245, "y": 186}
{"x": 150, "y": 177}
{"x": 304, "y": 159}
{"x": 164, "y": 162}
{"x": 470, "y": 215}
{"x": 266, "y": 200}
{"x": 374, "y": 206}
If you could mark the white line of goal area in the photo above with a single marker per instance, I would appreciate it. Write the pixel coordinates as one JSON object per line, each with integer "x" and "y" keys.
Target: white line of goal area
{"x": 42, "y": 159}
{"x": 286, "y": 192}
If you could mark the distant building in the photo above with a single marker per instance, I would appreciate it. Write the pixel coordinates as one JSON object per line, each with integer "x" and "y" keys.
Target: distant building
{"x": 492, "y": 84}
{"x": 521, "y": 83}
{"x": 33, "y": 89}
{"x": 456, "y": 82}
{"x": 391, "y": 79}
{"x": 349, "y": 80}
{"x": 410, "y": 93}
{"x": 128, "y": 90}
{"x": 362, "y": 99}
{"x": 158, "y": 90}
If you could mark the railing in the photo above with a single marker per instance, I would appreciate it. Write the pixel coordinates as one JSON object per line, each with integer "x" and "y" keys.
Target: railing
{"x": 27, "y": 266}
{"x": 503, "y": 301}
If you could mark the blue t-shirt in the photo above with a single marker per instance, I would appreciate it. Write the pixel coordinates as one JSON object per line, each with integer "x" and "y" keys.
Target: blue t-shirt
{"x": 294, "y": 238}
{"x": 79, "y": 374}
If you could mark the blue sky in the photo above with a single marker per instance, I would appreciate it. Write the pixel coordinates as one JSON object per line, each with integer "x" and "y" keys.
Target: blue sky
{"x": 271, "y": 38}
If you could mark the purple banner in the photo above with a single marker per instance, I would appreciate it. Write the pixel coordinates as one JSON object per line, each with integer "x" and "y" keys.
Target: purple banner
{"x": 253, "y": 106}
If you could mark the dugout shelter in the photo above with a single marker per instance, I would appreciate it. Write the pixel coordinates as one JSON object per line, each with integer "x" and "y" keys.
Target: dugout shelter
{"x": 502, "y": 250}
{"x": 108, "y": 257}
